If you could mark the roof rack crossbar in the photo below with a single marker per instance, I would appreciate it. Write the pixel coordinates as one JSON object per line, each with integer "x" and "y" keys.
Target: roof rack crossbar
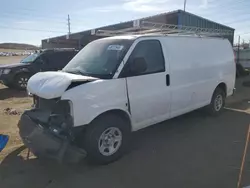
{"x": 146, "y": 27}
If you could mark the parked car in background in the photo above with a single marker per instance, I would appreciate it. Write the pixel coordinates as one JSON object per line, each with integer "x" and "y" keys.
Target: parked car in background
{"x": 17, "y": 75}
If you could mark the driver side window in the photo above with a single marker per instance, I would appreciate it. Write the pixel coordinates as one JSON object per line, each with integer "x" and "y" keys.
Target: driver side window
{"x": 41, "y": 60}
{"x": 148, "y": 51}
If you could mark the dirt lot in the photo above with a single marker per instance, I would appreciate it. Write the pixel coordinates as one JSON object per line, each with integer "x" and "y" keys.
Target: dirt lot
{"x": 11, "y": 50}
{"x": 191, "y": 151}
{"x": 13, "y": 59}
{"x": 11, "y": 99}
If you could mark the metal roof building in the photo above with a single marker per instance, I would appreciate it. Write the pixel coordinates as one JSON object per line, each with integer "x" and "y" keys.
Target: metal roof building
{"x": 178, "y": 17}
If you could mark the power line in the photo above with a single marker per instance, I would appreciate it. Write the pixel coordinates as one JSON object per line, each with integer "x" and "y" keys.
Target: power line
{"x": 20, "y": 12}
{"x": 28, "y": 23}
{"x": 54, "y": 14}
{"x": 38, "y": 19}
{"x": 36, "y": 16}
{"x": 25, "y": 29}
{"x": 30, "y": 17}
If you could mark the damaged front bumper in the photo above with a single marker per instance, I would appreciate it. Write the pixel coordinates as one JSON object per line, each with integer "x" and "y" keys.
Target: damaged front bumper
{"x": 44, "y": 141}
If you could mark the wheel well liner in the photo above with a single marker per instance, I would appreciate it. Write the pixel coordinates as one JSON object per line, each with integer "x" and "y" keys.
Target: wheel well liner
{"x": 122, "y": 114}
{"x": 222, "y": 86}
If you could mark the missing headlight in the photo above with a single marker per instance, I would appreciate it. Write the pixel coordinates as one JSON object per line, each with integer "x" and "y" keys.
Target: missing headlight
{"x": 44, "y": 104}
{"x": 60, "y": 118}
{"x": 61, "y": 107}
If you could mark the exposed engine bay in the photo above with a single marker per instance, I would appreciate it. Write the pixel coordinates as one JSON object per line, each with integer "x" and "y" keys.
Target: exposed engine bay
{"x": 47, "y": 129}
{"x": 53, "y": 114}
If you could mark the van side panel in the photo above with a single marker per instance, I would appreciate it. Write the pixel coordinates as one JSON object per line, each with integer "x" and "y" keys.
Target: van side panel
{"x": 197, "y": 66}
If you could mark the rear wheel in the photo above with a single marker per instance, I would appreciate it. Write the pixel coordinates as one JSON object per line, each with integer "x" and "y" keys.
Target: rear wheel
{"x": 217, "y": 103}
{"x": 21, "y": 81}
{"x": 106, "y": 139}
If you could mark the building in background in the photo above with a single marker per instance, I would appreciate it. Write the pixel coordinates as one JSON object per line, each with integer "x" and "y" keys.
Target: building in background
{"x": 178, "y": 17}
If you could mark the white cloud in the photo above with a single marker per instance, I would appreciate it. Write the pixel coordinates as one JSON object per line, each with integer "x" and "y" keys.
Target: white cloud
{"x": 108, "y": 8}
{"x": 204, "y": 4}
{"x": 21, "y": 22}
{"x": 143, "y": 6}
{"x": 138, "y": 6}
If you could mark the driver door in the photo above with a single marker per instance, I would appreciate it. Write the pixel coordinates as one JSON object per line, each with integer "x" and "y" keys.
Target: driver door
{"x": 148, "y": 91}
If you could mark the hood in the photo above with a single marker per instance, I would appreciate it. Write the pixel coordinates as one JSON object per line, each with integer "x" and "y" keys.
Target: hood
{"x": 13, "y": 65}
{"x": 51, "y": 85}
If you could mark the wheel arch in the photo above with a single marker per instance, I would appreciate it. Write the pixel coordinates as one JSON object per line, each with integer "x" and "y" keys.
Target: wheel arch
{"x": 22, "y": 71}
{"x": 222, "y": 86}
{"x": 118, "y": 112}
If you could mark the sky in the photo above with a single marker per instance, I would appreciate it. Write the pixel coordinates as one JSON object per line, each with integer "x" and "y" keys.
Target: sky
{"x": 29, "y": 21}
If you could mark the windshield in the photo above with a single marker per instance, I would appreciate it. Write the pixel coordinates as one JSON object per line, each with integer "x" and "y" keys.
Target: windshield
{"x": 100, "y": 58}
{"x": 30, "y": 58}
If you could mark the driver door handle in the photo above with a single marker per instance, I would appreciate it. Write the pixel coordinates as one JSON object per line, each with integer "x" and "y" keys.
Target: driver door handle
{"x": 167, "y": 80}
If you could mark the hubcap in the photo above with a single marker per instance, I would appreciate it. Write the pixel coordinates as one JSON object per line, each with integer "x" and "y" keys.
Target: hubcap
{"x": 110, "y": 141}
{"x": 218, "y": 102}
{"x": 23, "y": 82}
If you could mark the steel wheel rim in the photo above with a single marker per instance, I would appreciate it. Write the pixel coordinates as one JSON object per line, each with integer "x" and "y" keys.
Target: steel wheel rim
{"x": 23, "y": 82}
{"x": 218, "y": 102}
{"x": 110, "y": 141}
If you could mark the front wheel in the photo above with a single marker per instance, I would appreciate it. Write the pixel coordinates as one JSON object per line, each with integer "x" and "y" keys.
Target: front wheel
{"x": 106, "y": 139}
{"x": 217, "y": 103}
{"x": 21, "y": 81}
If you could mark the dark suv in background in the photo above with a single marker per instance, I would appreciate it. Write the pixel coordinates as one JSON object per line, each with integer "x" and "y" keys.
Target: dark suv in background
{"x": 17, "y": 75}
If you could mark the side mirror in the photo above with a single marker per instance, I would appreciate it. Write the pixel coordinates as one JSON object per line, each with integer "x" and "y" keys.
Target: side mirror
{"x": 138, "y": 66}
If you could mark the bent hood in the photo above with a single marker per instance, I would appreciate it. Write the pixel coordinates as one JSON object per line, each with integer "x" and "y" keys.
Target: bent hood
{"x": 51, "y": 85}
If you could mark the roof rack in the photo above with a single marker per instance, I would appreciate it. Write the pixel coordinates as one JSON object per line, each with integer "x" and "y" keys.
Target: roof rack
{"x": 146, "y": 27}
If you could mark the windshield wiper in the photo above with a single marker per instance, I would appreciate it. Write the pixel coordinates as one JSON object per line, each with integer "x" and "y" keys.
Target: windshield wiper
{"x": 77, "y": 71}
{"x": 80, "y": 72}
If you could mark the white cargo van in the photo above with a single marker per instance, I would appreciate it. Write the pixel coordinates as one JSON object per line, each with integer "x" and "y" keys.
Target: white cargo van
{"x": 121, "y": 84}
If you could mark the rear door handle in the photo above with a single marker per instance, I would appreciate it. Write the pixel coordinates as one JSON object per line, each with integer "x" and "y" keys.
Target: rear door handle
{"x": 167, "y": 80}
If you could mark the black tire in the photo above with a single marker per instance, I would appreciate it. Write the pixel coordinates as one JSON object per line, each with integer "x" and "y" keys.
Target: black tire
{"x": 92, "y": 138}
{"x": 217, "y": 103}
{"x": 21, "y": 80}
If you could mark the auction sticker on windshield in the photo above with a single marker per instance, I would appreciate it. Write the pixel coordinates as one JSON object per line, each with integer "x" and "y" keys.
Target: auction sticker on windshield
{"x": 115, "y": 47}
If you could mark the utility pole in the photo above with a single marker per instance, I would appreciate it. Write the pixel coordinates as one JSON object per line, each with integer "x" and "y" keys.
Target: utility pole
{"x": 68, "y": 25}
{"x": 185, "y": 2}
{"x": 238, "y": 53}
{"x": 182, "y": 14}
